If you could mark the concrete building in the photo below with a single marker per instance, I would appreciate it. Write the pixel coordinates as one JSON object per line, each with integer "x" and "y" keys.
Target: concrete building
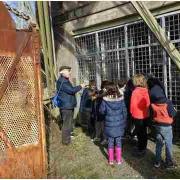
{"x": 109, "y": 40}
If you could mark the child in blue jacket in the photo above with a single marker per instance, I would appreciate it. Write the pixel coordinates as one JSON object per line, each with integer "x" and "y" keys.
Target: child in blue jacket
{"x": 114, "y": 109}
{"x": 86, "y": 106}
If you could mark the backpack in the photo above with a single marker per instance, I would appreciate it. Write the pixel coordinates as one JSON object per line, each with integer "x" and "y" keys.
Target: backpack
{"x": 56, "y": 101}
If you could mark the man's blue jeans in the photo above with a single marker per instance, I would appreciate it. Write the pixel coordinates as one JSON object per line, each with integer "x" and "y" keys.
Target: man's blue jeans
{"x": 164, "y": 135}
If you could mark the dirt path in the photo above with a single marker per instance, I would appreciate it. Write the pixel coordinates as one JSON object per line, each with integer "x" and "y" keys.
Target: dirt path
{"x": 84, "y": 159}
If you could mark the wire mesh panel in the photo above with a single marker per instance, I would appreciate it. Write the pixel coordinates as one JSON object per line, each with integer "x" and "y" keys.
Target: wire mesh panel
{"x": 111, "y": 39}
{"x": 5, "y": 64}
{"x": 114, "y": 66}
{"x": 87, "y": 67}
{"x": 86, "y": 55}
{"x": 20, "y": 122}
{"x": 156, "y": 59}
{"x": 111, "y": 47}
{"x": 141, "y": 60}
{"x": 172, "y": 25}
{"x": 21, "y": 112}
{"x": 137, "y": 34}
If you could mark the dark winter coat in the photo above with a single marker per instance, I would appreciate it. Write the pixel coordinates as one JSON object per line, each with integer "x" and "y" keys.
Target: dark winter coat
{"x": 67, "y": 93}
{"x": 115, "y": 116}
{"x": 96, "y": 115}
{"x": 86, "y": 101}
{"x": 157, "y": 96}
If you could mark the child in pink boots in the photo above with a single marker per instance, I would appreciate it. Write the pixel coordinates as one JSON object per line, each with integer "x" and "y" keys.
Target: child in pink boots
{"x": 114, "y": 110}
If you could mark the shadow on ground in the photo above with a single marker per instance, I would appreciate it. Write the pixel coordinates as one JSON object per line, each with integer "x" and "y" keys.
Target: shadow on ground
{"x": 84, "y": 159}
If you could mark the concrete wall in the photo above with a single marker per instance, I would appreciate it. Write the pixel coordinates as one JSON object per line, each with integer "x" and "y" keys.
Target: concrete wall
{"x": 93, "y": 16}
{"x": 97, "y": 13}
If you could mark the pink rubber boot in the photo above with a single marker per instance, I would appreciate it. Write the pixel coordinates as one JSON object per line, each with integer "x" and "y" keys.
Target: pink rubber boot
{"x": 118, "y": 155}
{"x": 111, "y": 155}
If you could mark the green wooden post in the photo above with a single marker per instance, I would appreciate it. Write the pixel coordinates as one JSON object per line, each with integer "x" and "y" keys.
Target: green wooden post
{"x": 49, "y": 42}
{"x": 43, "y": 40}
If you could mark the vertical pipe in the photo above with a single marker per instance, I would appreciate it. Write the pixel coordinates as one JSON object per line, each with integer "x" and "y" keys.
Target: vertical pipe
{"x": 49, "y": 42}
{"x": 126, "y": 52}
{"x": 150, "y": 60}
{"x": 98, "y": 68}
{"x": 53, "y": 44}
{"x": 118, "y": 59}
{"x": 170, "y": 73}
{"x": 164, "y": 61}
{"x": 43, "y": 40}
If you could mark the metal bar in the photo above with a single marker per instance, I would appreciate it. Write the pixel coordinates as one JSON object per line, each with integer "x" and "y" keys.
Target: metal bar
{"x": 149, "y": 42}
{"x": 49, "y": 42}
{"x": 43, "y": 40}
{"x": 39, "y": 100}
{"x": 170, "y": 75}
{"x": 98, "y": 68}
{"x": 126, "y": 52}
{"x": 157, "y": 31}
{"x": 36, "y": 56}
{"x": 170, "y": 78}
{"x": 118, "y": 64}
{"x": 164, "y": 61}
{"x": 132, "y": 62}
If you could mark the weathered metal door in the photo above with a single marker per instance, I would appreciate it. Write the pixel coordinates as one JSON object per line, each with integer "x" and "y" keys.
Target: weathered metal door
{"x": 22, "y": 136}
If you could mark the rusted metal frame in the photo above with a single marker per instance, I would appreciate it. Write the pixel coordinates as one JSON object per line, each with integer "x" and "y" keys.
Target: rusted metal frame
{"x": 39, "y": 105}
{"x": 5, "y": 139}
{"x": 21, "y": 47}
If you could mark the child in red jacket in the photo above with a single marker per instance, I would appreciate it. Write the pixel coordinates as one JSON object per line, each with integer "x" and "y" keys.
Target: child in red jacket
{"x": 139, "y": 108}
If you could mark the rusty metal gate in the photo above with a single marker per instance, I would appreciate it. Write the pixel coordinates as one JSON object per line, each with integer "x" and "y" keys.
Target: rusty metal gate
{"x": 22, "y": 136}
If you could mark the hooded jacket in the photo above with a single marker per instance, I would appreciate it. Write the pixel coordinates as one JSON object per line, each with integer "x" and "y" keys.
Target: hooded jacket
{"x": 115, "y": 113}
{"x": 67, "y": 93}
{"x": 140, "y": 103}
{"x": 163, "y": 110}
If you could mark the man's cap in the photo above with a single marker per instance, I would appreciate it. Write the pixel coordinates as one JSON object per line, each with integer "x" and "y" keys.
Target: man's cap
{"x": 64, "y": 67}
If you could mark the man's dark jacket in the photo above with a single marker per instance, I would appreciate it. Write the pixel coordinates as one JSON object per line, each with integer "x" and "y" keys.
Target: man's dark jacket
{"x": 67, "y": 93}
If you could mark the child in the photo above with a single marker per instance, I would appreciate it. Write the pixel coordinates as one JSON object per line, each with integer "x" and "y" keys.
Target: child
{"x": 86, "y": 106}
{"x": 98, "y": 118}
{"x": 130, "y": 130}
{"x": 139, "y": 108}
{"x": 114, "y": 110}
{"x": 163, "y": 113}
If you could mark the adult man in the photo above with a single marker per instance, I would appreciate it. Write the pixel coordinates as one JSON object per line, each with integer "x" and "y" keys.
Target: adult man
{"x": 68, "y": 101}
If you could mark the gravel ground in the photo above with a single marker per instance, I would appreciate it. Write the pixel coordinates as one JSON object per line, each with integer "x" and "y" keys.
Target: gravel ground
{"x": 84, "y": 159}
